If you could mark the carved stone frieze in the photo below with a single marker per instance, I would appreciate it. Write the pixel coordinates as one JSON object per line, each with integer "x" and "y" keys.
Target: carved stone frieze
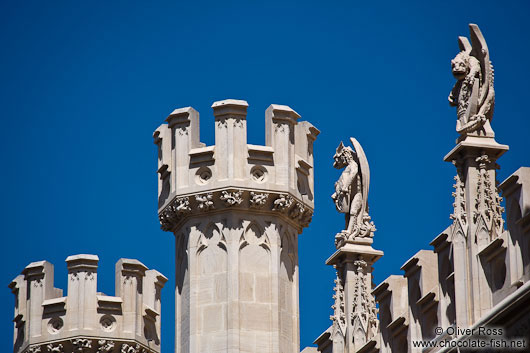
{"x": 34, "y": 349}
{"x": 283, "y": 203}
{"x": 183, "y": 207}
{"x": 204, "y": 202}
{"x": 55, "y": 348}
{"x": 231, "y": 198}
{"x": 174, "y": 211}
{"x": 81, "y": 345}
{"x": 297, "y": 211}
{"x": 105, "y": 346}
{"x": 129, "y": 348}
{"x": 258, "y": 199}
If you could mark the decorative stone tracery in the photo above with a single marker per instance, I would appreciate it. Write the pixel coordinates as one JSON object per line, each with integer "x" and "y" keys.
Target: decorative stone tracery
{"x": 182, "y": 207}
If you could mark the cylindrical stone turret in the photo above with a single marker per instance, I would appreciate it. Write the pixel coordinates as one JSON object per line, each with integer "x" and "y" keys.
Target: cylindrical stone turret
{"x": 236, "y": 225}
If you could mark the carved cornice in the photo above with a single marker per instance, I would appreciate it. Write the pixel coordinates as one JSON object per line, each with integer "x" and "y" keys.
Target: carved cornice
{"x": 275, "y": 203}
{"x": 101, "y": 345}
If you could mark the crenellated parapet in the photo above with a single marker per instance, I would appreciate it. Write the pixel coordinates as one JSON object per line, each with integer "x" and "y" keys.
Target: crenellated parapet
{"x": 86, "y": 320}
{"x": 276, "y": 178}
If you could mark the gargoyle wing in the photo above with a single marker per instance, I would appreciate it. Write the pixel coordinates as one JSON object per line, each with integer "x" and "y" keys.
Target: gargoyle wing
{"x": 480, "y": 51}
{"x": 464, "y": 45}
{"x": 365, "y": 173}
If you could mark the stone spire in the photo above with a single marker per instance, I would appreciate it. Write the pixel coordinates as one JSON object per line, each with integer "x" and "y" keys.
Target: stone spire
{"x": 236, "y": 211}
{"x": 477, "y": 217}
{"x": 354, "y": 319}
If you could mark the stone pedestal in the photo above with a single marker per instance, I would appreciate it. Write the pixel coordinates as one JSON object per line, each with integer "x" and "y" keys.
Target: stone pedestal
{"x": 477, "y": 221}
{"x": 355, "y": 314}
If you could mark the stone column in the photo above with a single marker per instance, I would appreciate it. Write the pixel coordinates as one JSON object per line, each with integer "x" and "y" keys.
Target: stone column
{"x": 355, "y": 314}
{"x": 477, "y": 221}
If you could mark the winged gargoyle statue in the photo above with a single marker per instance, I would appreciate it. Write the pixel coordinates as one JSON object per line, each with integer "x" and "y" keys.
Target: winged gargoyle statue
{"x": 351, "y": 191}
{"x": 473, "y": 93}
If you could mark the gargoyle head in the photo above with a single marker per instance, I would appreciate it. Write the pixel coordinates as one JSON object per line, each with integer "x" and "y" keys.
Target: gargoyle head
{"x": 343, "y": 156}
{"x": 460, "y": 65}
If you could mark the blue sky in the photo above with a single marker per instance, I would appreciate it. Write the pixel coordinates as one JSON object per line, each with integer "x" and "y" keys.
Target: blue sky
{"x": 86, "y": 83}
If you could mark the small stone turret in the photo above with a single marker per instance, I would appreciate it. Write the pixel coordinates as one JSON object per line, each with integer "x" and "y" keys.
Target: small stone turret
{"x": 86, "y": 320}
{"x": 236, "y": 210}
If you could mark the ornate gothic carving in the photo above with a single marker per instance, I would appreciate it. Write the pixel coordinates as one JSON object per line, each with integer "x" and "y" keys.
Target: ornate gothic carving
{"x": 488, "y": 201}
{"x": 55, "y": 348}
{"x": 351, "y": 192}
{"x": 281, "y": 127}
{"x": 364, "y": 313}
{"x": 459, "y": 214}
{"x": 282, "y": 203}
{"x": 81, "y": 345}
{"x": 105, "y": 346}
{"x": 473, "y": 93}
{"x": 221, "y": 124}
{"x": 126, "y": 348}
{"x": 297, "y": 211}
{"x": 204, "y": 202}
{"x": 231, "y": 198}
{"x": 182, "y": 130}
{"x": 183, "y": 207}
{"x": 339, "y": 312}
{"x": 258, "y": 199}
{"x": 174, "y": 211}
{"x": 238, "y": 122}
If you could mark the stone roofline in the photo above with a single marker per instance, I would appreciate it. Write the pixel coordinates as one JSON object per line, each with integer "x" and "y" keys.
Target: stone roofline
{"x": 43, "y": 316}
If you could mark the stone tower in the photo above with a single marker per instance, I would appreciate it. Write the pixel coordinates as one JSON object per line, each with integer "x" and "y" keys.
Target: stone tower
{"x": 86, "y": 320}
{"x": 236, "y": 211}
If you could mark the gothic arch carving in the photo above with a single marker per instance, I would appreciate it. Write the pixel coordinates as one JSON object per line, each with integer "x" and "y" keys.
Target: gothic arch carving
{"x": 482, "y": 235}
{"x": 213, "y": 234}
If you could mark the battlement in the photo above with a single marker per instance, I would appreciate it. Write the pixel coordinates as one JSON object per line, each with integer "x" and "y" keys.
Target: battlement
{"x": 86, "y": 319}
{"x": 190, "y": 171}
